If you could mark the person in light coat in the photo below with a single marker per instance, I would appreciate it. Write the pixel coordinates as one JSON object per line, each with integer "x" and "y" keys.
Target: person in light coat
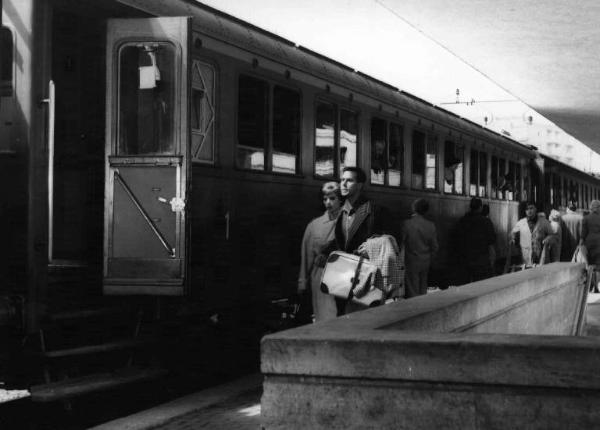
{"x": 318, "y": 233}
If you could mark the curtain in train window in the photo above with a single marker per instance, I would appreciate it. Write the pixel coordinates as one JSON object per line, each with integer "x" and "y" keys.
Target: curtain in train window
{"x": 418, "y": 159}
{"x": 378, "y": 151}
{"x": 252, "y": 123}
{"x": 453, "y": 168}
{"x": 146, "y": 99}
{"x": 483, "y": 174}
{"x": 325, "y": 127}
{"x": 203, "y": 112}
{"x": 348, "y": 139}
{"x": 474, "y": 173}
{"x": 286, "y": 130}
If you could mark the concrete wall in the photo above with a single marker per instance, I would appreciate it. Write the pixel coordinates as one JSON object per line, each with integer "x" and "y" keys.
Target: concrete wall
{"x": 483, "y": 356}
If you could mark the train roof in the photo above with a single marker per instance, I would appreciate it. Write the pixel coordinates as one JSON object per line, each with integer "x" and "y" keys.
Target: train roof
{"x": 234, "y": 31}
{"x": 566, "y": 167}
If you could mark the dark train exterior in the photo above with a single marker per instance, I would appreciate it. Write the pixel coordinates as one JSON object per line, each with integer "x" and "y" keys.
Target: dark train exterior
{"x": 166, "y": 156}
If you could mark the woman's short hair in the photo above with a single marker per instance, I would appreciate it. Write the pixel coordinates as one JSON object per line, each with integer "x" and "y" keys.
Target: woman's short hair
{"x": 331, "y": 188}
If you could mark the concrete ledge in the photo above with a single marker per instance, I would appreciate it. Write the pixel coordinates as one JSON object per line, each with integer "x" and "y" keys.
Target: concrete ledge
{"x": 472, "y": 354}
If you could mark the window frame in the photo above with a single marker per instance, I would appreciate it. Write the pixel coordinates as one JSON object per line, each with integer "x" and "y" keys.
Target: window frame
{"x": 429, "y": 138}
{"x": 337, "y": 113}
{"x": 455, "y": 145}
{"x": 215, "y": 121}
{"x": 388, "y": 123}
{"x": 268, "y": 138}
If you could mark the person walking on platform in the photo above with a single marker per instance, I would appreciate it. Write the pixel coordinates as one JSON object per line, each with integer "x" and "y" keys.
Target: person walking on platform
{"x": 573, "y": 225}
{"x": 359, "y": 219}
{"x": 590, "y": 235}
{"x": 555, "y": 223}
{"x": 317, "y": 235}
{"x": 476, "y": 238}
{"x": 534, "y": 232}
{"x": 419, "y": 238}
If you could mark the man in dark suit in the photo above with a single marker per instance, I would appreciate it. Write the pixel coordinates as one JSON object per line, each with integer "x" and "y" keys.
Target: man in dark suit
{"x": 359, "y": 218}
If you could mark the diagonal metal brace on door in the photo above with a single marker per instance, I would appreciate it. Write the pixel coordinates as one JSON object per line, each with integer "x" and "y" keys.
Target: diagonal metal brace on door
{"x": 170, "y": 250}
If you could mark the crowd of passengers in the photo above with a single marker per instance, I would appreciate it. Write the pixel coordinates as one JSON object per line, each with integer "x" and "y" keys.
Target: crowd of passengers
{"x": 354, "y": 224}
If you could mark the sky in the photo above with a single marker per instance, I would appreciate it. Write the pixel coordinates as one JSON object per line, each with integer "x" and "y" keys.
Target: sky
{"x": 374, "y": 37}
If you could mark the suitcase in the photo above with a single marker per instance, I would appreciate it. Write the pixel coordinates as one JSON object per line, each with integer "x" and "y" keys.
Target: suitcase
{"x": 350, "y": 277}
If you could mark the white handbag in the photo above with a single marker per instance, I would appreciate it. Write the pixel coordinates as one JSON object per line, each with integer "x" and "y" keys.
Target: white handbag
{"x": 350, "y": 277}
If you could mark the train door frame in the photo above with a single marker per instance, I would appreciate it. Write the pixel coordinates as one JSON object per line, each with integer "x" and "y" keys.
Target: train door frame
{"x": 147, "y": 173}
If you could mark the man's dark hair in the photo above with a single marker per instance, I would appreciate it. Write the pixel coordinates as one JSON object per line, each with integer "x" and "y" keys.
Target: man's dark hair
{"x": 420, "y": 206}
{"x": 475, "y": 204}
{"x": 361, "y": 176}
{"x": 531, "y": 203}
{"x": 572, "y": 205}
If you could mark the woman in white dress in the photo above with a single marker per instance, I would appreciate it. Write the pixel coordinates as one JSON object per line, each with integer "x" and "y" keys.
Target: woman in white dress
{"x": 318, "y": 233}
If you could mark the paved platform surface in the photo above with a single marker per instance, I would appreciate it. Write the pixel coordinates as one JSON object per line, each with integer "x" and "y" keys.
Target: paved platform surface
{"x": 236, "y": 405}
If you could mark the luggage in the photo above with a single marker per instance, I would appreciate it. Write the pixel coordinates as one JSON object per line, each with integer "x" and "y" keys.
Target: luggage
{"x": 350, "y": 277}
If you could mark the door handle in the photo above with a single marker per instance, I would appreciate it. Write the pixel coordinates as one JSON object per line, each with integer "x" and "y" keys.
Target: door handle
{"x": 227, "y": 225}
{"x": 177, "y": 203}
{"x": 51, "y": 101}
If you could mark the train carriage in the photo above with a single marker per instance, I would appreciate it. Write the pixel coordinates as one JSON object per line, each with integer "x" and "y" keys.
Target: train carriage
{"x": 168, "y": 156}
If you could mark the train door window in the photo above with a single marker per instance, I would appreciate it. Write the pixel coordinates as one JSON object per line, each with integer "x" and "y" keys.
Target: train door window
{"x": 252, "y": 123}
{"x": 387, "y": 153}
{"x": 6, "y": 62}
{"x": 566, "y": 196}
{"x": 495, "y": 191}
{"x": 203, "y": 112}
{"x": 147, "y": 99}
{"x": 526, "y": 183}
{"x": 348, "y": 139}
{"x": 286, "y": 130}
{"x": 453, "y": 167}
{"x": 418, "y": 159}
{"x": 268, "y": 126}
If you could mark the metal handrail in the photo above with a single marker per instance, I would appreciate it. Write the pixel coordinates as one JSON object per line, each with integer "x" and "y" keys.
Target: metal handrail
{"x": 145, "y": 215}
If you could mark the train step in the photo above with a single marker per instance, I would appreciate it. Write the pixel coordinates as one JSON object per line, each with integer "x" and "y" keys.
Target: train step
{"x": 73, "y": 387}
{"x": 79, "y": 314}
{"x": 96, "y": 349}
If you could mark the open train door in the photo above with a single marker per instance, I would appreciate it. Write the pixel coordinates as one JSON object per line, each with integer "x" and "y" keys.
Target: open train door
{"x": 147, "y": 156}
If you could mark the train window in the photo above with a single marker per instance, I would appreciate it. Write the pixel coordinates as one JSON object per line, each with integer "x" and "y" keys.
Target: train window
{"x": 252, "y": 123}
{"x": 495, "y": 190}
{"x": 348, "y": 139}
{"x": 474, "y": 173}
{"x": 556, "y": 182}
{"x": 268, "y": 126}
{"x": 203, "y": 112}
{"x": 286, "y": 130}
{"x": 454, "y": 155}
{"x": 418, "y": 159}
{"x": 6, "y": 62}
{"x": 336, "y": 139}
{"x": 518, "y": 183}
{"x": 526, "y": 183}
{"x": 431, "y": 164}
{"x": 387, "y": 153}
{"x": 511, "y": 181}
{"x": 566, "y": 196}
{"x": 146, "y": 99}
{"x": 502, "y": 180}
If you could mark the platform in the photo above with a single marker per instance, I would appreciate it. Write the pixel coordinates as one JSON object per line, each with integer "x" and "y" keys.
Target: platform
{"x": 236, "y": 405}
